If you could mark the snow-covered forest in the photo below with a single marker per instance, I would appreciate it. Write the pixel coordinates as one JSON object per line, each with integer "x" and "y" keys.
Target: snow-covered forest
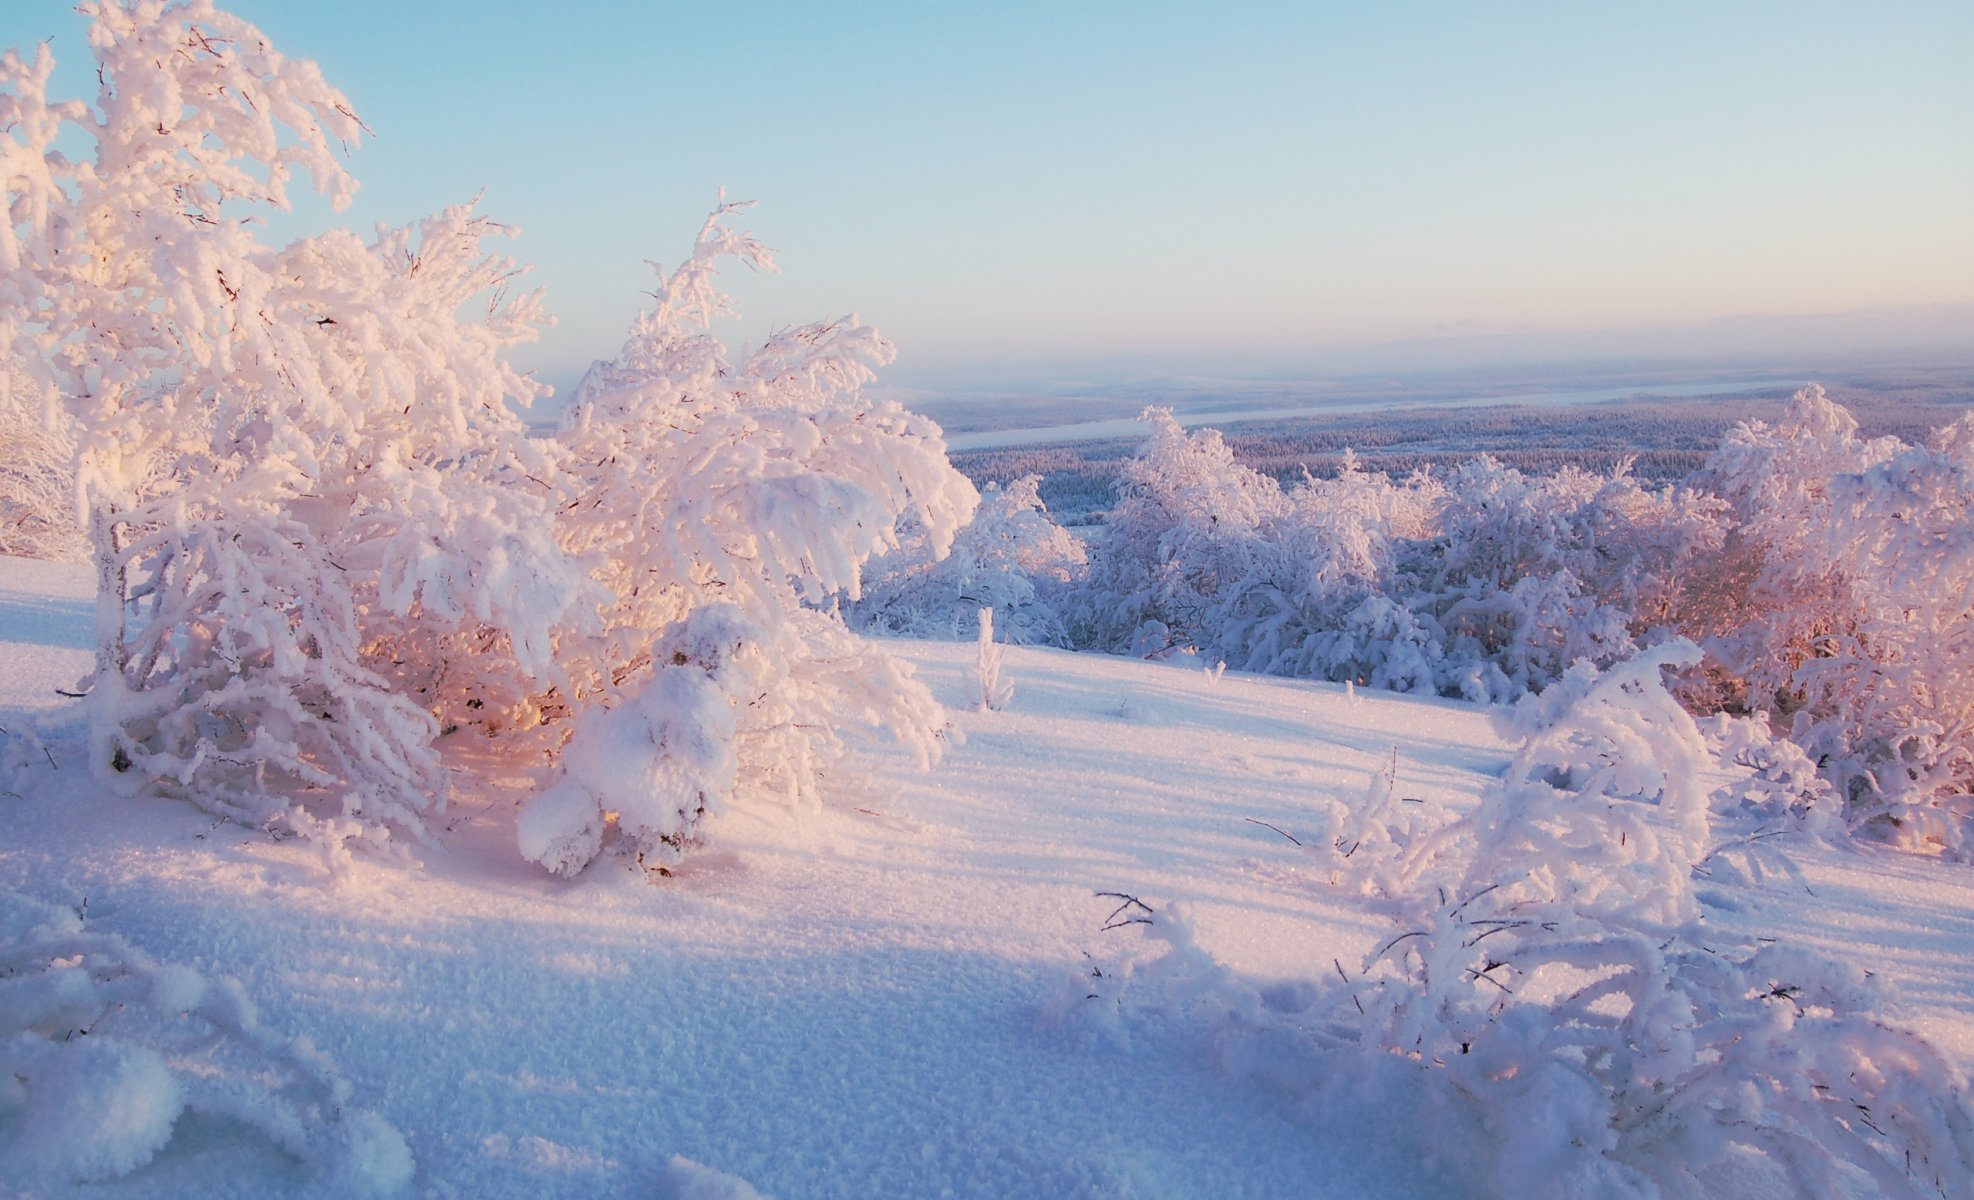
{"x": 716, "y": 795}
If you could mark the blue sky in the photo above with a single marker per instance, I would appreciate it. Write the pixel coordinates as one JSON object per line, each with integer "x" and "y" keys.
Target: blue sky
{"x": 997, "y": 186}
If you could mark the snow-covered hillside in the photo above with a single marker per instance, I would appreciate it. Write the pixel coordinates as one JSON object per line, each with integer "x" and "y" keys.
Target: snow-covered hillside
{"x": 893, "y": 998}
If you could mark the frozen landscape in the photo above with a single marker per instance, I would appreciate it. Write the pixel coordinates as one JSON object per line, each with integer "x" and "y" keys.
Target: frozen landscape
{"x": 715, "y": 780}
{"x": 890, "y": 997}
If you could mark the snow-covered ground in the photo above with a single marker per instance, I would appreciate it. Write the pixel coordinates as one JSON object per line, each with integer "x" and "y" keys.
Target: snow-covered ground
{"x": 885, "y": 999}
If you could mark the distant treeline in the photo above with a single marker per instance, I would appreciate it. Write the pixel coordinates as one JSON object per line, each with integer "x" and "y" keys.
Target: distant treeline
{"x": 1666, "y": 439}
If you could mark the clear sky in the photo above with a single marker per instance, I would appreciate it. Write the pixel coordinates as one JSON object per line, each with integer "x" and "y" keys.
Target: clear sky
{"x": 1002, "y": 184}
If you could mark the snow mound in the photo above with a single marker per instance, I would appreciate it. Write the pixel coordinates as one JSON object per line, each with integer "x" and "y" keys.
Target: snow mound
{"x": 103, "y": 1050}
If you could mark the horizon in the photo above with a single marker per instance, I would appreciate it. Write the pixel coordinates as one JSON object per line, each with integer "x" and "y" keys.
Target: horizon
{"x": 1044, "y": 195}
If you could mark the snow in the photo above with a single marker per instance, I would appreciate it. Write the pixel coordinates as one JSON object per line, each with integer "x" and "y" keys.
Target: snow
{"x": 101, "y": 1108}
{"x": 888, "y": 997}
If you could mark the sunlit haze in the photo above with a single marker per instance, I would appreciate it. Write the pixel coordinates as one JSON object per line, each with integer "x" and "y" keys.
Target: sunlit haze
{"x": 1034, "y": 188}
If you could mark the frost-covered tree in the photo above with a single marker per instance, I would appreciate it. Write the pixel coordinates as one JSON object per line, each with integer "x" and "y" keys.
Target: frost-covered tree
{"x": 1844, "y": 606}
{"x": 1011, "y": 557}
{"x": 1315, "y": 600}
{"x": 1894, "y": 704}
{"x": 1527, "y": 574}
{"x": 324, "y": 538}
{"x": 990, "y": 689}
{"x": 1770, "y": 599}
{"x": 1554, "y": 970}
{"x": 723, "y": 508}
{"x": 1486, "y": 586}
{"x": 1551, "y": 984}
{"x": 316, "y": 522}
{"x": 1180, "y": 536}
{"x": 37, "y": 472}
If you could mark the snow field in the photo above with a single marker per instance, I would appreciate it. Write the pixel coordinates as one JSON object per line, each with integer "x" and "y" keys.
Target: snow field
{"x": 886, "y": 998}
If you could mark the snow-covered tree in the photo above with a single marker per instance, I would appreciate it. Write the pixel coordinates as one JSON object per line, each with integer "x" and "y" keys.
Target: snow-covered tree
{"x": 991, "y": 690}
{"x": 1181, "y": 535}
{"x": 37, "y": 472}
{"x": 1486, "y": 586}
{"x": 1894, "y": 704}
{"x": 1315, "y": 599}
{"x": 315, "y": 519}
{"x": 1550, "y": 983}
{"x": 1012, "y": 557}
{"x": 723, "y": 508}
{"x": 1555, "y": 971}
{"x": 323, "y": 536}
{"x": 1844, "y": 605}
{"x": 1526, "y": 574}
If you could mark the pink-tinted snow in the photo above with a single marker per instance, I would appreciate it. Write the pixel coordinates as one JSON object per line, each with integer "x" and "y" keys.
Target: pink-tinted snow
{"x": 879, "y": 999}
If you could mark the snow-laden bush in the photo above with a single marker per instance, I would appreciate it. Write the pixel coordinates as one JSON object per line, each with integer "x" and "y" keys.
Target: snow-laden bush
{"x": 1782, "y": 790}
{"x": 102, "y": 1051}
{"x": 37, "y": 473}
{"x": 1181, "y": 535}
{"x": 1314, "y": 601}
{"x": 314, "y": 517}
{"x": 1012, "y": 557}
{"x": 1827, "y": 575}
{"x": 1555, "y": 971}
{"x": 990, "y": 689}
{"x": 1894, "y": 704}
{"x": 323, "y": 536}
{"x": 1551, "y": 982}
{"x": 1486, "y": 586}
{"x": 1845, "y": 606}
{"x": 723, "y": 509}
{"x": 1525, "y": 575}
{"x": 1369, "y": 842}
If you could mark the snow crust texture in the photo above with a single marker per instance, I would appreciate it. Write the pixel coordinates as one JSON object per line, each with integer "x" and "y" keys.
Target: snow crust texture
{"x": 917, "y": 993}
{"x": 105, "y": 1051}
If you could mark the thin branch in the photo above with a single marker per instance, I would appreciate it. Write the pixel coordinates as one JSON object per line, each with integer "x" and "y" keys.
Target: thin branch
{"x": 1338, "y": 963}
{"x": 1382, "y": 950}
{"x": 1278, "y": 829}
{"x": 1129, "y": 902}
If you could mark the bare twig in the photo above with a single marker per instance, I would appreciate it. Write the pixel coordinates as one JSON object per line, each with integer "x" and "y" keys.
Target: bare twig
{"x": 1278, "y": 829}
{"x": 1129, "y": 902}
{"x": 1386, "y": 948}
{"x": 1346, "y": 981}
{"x": 1471, "y": 899}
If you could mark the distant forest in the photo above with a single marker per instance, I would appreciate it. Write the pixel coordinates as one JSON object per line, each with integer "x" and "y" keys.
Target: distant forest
{"x": 1666, "y": 438}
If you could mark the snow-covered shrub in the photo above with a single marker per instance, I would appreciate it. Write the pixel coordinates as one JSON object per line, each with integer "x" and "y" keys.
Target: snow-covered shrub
{"x": 990, "y": 689}
{"x": 1180, "y": 536}
{"x": 1771, "y": 600}
{"x": 1315, "y": 599}
{"x": 724, "y": 508}
{"x": 1486, "y": 586}
{"x": 1370, "y": 841}
{"x": 323, "y": 536}
{"x": 1551, "y": 982}
{"x": 102, "y": 1050}
{"x": 315, "y": 520}
{"x": 1853, "y": 618}
{"x": 1525, "y": 575}
{"x": 1555, "y": 973}
{"x": 37, "y": 473}
{"x": 1012, "y": 557}
{"x": 1781, "y": 790}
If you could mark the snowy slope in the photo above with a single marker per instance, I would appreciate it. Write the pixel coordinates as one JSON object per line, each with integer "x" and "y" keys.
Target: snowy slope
{"x": 880, "y": 1000}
